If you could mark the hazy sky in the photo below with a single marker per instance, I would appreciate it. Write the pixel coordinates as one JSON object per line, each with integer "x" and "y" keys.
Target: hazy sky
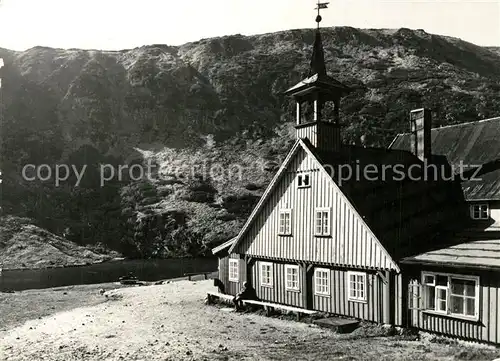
{"x": 120, "y": 24}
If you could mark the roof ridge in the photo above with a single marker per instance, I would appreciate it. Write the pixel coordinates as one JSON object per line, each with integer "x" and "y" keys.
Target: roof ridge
{"x": 452, "y": 125}
{"x": 468, "y": 123}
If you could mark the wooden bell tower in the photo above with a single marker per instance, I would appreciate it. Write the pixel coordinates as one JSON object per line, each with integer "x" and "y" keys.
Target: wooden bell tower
{"x": 312, "y": 94}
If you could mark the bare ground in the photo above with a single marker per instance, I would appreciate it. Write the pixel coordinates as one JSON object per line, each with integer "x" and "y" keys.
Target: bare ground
{"x": 171, "y": 322}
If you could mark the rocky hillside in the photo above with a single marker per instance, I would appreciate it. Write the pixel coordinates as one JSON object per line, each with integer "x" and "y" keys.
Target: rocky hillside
{"x": 211, "y": 118}
{"x": 24, "y": 245}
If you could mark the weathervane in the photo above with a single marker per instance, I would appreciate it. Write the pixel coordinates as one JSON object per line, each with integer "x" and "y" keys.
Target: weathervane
{"x": 319, "y": 7}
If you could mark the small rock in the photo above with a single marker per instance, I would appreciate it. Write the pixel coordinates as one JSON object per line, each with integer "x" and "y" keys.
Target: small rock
{"x": 188, "y": 353}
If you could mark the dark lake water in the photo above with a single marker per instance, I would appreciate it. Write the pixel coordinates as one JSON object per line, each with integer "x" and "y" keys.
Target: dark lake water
{"x": 145, "y": 270}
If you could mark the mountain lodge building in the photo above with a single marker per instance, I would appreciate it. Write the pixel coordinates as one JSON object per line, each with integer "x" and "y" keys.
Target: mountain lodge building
{"x": 397, "y": 249}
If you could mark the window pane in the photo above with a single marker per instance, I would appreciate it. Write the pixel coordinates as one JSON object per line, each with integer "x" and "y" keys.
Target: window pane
{"x": 470, "y": 307}
{"x": 442, "y": 280}
{"x": 457, "y": 287}
{"x": 457, "y": 305}
{"x": 430, "y": 297}
{"x": 470, "y": 288}
{"x": 441, "y": 294}
{"x": 441, "y": 299}
{"x": 428, "y": 279}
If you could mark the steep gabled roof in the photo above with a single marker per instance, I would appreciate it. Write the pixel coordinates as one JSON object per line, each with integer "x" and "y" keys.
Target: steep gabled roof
{"x": 471, "y": 144}
{"x": 408, "y": 212}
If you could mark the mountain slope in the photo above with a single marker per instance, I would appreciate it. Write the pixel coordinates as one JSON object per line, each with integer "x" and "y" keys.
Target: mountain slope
{"x": 212, "y": 118}
{"x": 24, "y": 245}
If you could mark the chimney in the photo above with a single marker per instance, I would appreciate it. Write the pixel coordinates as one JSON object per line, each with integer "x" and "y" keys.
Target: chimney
{"x": 420, "y": 126}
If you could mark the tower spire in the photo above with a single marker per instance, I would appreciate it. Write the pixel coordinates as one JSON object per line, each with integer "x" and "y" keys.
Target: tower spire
{"x": 318, "y": 56}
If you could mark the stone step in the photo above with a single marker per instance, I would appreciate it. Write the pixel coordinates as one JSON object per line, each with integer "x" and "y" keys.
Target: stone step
{"x": 340, "y": 325}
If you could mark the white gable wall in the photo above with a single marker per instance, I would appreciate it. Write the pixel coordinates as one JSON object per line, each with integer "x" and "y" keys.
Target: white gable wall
{"x": 352, "y": 244}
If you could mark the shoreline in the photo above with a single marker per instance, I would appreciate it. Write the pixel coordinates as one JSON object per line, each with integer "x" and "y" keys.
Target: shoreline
{"x": 115, "y": 259}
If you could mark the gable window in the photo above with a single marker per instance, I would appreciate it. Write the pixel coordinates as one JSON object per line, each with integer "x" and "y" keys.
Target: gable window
{"x": 304, "y": 180}
{"x": 266, "y": 274}
{"x": 454, "y": 295}
{"x": 233, "y": 270}
{"x": 322, "y": 281}
{"x": 285, "y": 226}
{"x": 479, "y": 211}
{"x": 292, "y": 277}
{"x": 322, "y": 222}
{"x": 356, "y": 286}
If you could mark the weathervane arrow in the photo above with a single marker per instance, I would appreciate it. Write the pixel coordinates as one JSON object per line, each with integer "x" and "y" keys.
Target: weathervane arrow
{"x": 322, "y": 6}
{"x": 319, "y": 7}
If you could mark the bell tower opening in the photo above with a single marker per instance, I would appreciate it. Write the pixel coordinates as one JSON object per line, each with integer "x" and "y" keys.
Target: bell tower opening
{"x": 313, "y": 95}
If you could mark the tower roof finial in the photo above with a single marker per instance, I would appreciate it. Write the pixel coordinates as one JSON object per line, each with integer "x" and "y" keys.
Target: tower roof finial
{"x": 319, "y": 7}
{"x": 318, "y": 56}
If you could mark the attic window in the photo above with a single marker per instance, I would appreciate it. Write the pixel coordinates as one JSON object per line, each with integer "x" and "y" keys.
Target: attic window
{"x": 303, "y": 180}
{"x": 479, "y": 211}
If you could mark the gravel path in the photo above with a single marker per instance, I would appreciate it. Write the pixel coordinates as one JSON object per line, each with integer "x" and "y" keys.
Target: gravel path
{"x": 171, "y": 322}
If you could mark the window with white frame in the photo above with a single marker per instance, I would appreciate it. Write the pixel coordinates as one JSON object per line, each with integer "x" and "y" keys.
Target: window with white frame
{"x": 303, "y": 180}
{"x": 233, "y": 270}
{"x": 266, "y": 274}
{"x": 292, "y": 277}
{"x": 322, "y": 222}
{"x": 479, "y": 211}
{"x": 356, "y": 286}
{"x": 455, "y": 295}
{"x": 322, "y": 281}
{"x": 285, "y": 226}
